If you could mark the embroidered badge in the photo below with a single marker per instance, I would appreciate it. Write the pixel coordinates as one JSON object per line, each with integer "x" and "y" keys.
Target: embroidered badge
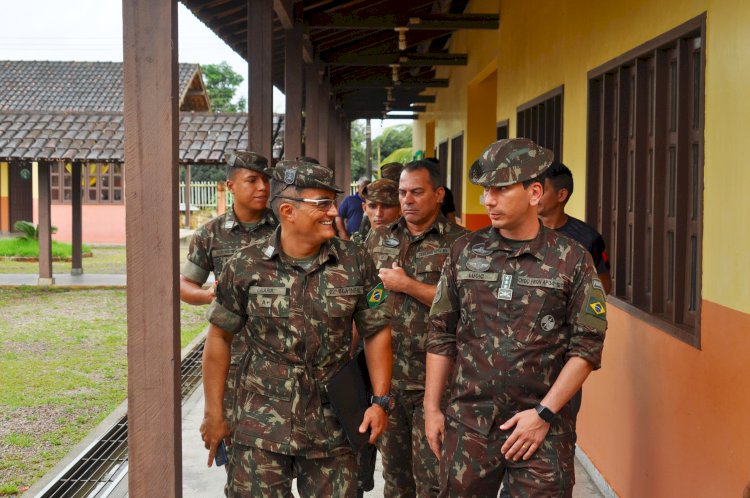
{"x": 477, "y": 264}
{"x": 547, "y": 322}
{"x": 290, "y": 175}
{"x": 596, "y": 308}
{"x": 438, "y": 292}
{"x": 597, "y": 284}
{"x": 505, "y": 292}
{"x": 376, "y": 295}
{"x": 268, "y": 251}
{"x": 480, "y": 250}
{"x": 391, "y": 242}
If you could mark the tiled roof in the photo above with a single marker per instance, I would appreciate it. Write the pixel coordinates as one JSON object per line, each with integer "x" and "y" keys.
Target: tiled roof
{"x": 68, "y": 85}
{"x": 204, "y": 137}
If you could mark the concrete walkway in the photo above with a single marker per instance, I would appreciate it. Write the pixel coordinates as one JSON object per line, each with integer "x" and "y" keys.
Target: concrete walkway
{"x": 199, "y": 481}
{"x": 65, "y": 280}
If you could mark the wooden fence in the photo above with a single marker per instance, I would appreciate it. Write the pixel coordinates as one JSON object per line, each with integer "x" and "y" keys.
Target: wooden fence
{"x": 203, "y": 195}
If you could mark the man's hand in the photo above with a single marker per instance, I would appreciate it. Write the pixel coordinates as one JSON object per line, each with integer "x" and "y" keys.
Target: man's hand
{"x": 376, "y": 419}
{"x": 213, "y": 430}
{"x": 394, "y": 279}
{"x": 529, "y": 433}
{"x": 434, "y": 428}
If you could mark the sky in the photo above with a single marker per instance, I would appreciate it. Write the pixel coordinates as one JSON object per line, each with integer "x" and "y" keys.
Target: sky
{"x": 91, "y": 30}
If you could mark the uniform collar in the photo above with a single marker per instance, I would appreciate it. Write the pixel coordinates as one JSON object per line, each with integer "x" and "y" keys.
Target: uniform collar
{"x": 230, "y": 220}
{"x": 536, "y": 247}
{"x": 441, "y": 226}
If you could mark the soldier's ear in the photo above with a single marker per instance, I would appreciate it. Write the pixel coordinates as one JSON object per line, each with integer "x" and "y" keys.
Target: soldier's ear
{"x": 535, "y": 192}
{"x": 563, "y": 195}
{"x": 286, "y": 210}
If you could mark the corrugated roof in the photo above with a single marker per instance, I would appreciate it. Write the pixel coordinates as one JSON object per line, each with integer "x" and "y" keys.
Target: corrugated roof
{"x": 69, "y": 85}
{"x": 204, "y": 137}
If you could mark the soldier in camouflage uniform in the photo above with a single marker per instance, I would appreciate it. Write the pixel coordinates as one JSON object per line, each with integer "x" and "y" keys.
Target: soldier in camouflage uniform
{"x": 381, "y": 207}
{"x": 293, "y": 297}
{"x": 519, "y": 319}
{"x": 409, "y": 255}
{"x": 388, "y": 171}
{"x": 215, "y": 242}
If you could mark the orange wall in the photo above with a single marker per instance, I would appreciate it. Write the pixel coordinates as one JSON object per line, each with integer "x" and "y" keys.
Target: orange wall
{"x": 101, "y": 224}
{"x": 663, "y": 419}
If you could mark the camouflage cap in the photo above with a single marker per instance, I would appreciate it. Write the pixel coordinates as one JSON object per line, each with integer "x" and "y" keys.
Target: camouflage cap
{"x": 509, "y": 161}
{"x": 303, "y": 175}
{"x": 307, "y": 159}
{"x": 384, "y": 191}
{"x": 391, "y": 171}
{"x": 246, "y": 159}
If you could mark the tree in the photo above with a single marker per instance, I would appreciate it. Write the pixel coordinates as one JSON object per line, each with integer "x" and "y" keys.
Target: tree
{"x": 395, "y": 145}
{"x": 221, "y": 84}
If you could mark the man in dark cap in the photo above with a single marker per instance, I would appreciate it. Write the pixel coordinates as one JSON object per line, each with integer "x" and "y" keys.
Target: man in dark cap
{"x": 215, "y": 242}
{"x": 381, "y": 207}
{"x": 519, "y": 318}
{"x": 388, "y": 171}
{"x": 293, "y": 297}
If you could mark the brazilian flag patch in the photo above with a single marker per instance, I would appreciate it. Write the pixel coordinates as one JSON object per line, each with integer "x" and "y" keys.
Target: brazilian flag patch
{"x": 596, "y": 307}
{"x": 376, "y": 295}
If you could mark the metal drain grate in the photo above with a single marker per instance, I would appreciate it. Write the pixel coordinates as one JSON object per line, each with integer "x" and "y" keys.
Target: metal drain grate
{"x": 104, "y": 464}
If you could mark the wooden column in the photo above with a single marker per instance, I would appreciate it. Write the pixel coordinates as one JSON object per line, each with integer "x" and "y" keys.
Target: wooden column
{"x": 332, "y": 134}
{"x": 338, "y": 133}
{"x": 293, "y": 87}
{"x": 77, "y": 219}
{"x": 312, "y": 110}
{"x": 187, "y": 195}
{"x": 347, "y": 150}
{"x": 323, "y": 99}
{"x": 260, "y": 93}
{"x": 45, "y": 226}
{"x": 151, "y": 121}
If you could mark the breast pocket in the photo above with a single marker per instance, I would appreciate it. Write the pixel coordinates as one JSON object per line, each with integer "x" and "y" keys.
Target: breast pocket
{"x": 219, "y": 258}
{"x": 384, "y": 257}
{"x": 268, "y": 301}
{"x": 538, "y": 312}
{"x": 429, "y": 264}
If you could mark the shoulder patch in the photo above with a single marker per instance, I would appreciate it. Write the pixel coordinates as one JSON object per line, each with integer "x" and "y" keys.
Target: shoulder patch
{"x": 596, "y": 307}
{"x": 376, "y": 295}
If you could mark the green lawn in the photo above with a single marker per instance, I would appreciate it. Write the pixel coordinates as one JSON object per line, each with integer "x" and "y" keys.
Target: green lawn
{"x": 64, "y": 369}
{"x": 105, "y": 260}
{"x": 30, "y": 248}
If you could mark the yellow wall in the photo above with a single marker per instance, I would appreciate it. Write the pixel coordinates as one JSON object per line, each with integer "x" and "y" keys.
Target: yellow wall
{"x": 4, "y": 215}
{"x": 546, "y": 43}
{"x": 661, "y": 417}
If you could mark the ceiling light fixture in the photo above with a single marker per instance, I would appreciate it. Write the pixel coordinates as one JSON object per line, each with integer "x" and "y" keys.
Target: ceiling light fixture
{"x": 401, "y": 37}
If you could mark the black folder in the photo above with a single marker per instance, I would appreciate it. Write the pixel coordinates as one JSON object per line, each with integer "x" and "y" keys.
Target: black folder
{"x": 349, "y": 394}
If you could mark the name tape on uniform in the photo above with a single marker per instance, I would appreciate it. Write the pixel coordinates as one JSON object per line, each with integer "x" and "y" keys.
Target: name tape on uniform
{"x": 345, "y": 291}
{"x": 275, "y": 291}
{"x": 433, "y": 252}
{"x": 552, "y": 283}
{"x": 477, "y": 275}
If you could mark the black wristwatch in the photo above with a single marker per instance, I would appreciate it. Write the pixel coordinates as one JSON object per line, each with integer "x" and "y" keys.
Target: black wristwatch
{"x": 387, "y": 402}
{"x": 544, "y": 413}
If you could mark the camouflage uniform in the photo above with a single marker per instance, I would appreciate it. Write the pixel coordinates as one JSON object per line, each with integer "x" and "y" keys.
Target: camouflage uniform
{"x": 215, "y": 242}
{"x": 298, "y": 326}
{"x": 409, "y": 466}
{"x": 511, "y": 314}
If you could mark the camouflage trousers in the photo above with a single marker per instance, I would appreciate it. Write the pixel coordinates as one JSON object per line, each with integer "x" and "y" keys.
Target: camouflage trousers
{"x": 264, "y": 474}
{"x": 473, "y": 466}
{"x": 409, "y": 466}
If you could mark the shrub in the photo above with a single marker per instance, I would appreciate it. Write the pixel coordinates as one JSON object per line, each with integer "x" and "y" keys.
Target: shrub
{"x": 30, "y": 232}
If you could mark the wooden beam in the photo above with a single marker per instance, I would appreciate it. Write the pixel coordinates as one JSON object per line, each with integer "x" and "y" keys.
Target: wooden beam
{"x": 76, "y": 218}
{"x": 406, "y": 60}
{"x": 187, "y": 195}
{"x": 323, "y": 99}
{"x": 312, "y": 110}
{"x": 260, "y": 94}
{"x": 45, "y": 225}
{"x": 151, "y": 121}
{"x": 284, "y": 12}
{"x": 293, "y": 91}
{"x": 384, "y": 82}
{"x": 448, "y": 22}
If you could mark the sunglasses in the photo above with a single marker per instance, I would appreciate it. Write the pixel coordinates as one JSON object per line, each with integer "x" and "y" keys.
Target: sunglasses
{"x": 322, "y": 204}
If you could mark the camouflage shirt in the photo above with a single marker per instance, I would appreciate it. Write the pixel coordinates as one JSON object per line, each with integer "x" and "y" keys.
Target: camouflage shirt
{"x": 216, "y": 241}
{"x": 422, "y": 258}
{"x": 298, "y": 324}
{"x": 512, "y": 318}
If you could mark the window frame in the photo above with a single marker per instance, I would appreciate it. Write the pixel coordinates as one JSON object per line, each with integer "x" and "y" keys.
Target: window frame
{"x": 644, "y": 112}
{"x": 59, "y": 174}
{"x": 541, "y": 120}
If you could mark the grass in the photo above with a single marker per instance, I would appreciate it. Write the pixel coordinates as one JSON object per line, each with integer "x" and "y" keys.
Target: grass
{"x": 30, "y": 248}
{"x": 64, "y": 369}
{"x": 105, "y": 260}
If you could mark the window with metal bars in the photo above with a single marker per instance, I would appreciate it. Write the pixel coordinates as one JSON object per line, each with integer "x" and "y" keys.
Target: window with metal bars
{"x": 457, "y": 171}
{"x": 541, "y": 120}
{"x": 645, "y": 175}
